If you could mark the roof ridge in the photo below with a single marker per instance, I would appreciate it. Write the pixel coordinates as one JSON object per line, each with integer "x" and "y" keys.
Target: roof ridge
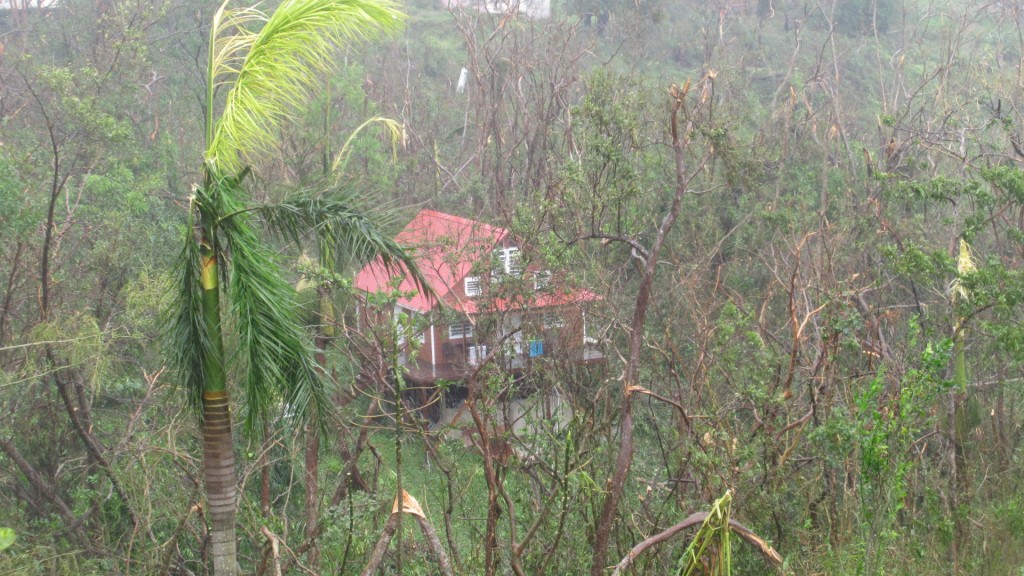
{"x": 461, "y": 219}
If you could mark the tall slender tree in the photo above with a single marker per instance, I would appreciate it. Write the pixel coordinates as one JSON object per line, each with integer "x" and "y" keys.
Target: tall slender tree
{"x": 226, "y": 275}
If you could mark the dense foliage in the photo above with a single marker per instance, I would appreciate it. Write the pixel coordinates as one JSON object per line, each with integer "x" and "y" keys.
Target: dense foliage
{"x": 823, "y": 203}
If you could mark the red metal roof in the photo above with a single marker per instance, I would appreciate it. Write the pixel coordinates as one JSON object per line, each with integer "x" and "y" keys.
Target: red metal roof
{"x": 445, "y": 247}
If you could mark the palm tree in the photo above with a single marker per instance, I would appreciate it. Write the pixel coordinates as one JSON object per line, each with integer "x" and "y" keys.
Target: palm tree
{"x": 226, "y": 275}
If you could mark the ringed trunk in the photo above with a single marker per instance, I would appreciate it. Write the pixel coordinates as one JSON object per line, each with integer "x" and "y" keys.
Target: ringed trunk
{"x": 219, "y": 468}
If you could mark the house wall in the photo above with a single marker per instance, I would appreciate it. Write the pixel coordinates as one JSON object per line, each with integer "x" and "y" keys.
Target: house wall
{"x": 516, "y": 328}
{"x": 428, "y": 350}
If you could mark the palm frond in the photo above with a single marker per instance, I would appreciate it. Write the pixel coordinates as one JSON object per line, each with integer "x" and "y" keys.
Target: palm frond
{"x": 394, "y": 129}
{"x": 275, "y": 354}
{"x": 282, "y": 63}
{"x": 188, "y": 340}
{"x": 343, "y": 229}
{"x": 230, "y": 40}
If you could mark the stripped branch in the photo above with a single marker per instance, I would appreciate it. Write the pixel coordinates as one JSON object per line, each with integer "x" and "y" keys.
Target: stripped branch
{"x": 696, "y": 519}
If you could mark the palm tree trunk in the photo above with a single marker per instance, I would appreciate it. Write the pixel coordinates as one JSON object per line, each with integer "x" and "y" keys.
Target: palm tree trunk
{"x": 312, "y": 475}
{"x": 218, "y": 450}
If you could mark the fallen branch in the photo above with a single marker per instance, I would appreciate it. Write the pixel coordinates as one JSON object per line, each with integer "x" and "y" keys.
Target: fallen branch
{"x": 692, "y": 520}
{"x": 275, "y": 550}
{"x": 412, "y": 507}
{"x": 435, "y": 546}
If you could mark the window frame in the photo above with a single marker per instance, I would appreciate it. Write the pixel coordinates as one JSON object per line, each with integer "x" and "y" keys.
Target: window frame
{"x": 509, "y": 262}
{"x": 469, "y": 280}
{"x": 465, "y": 332}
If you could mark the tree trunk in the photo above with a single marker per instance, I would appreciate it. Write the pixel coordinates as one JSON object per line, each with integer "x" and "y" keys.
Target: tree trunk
{"x": 312, "y": 474}
{"x": 219, "y": 467}
{"x": 959, "y": 480}
{"x": 631, "y": 378}
{"x": 42, "y": 487}
{"x": 218, "y": 450}
{"x": 312, "y": 495}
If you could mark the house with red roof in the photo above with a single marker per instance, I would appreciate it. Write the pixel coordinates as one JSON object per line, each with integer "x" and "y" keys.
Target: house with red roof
{"x": 492, "y": 303}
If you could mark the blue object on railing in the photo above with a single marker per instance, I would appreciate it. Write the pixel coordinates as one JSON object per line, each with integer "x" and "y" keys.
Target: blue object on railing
{"x": 536, "y": 348}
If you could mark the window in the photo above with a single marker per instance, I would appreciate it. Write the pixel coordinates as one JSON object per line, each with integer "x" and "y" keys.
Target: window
{"x": 473, "y": 286}
{"x": 460, "y": 330}
{"x": 513, "y": 262}
{"x": 542, "y": 279}
{"x": 477, "y": 354}
{"x": 507, "y": 261}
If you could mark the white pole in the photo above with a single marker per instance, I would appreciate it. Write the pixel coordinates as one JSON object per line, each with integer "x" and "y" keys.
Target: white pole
{"x": 433, "y": 356}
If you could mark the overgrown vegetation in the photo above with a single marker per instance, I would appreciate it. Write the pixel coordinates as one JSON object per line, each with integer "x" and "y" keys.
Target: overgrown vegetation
{"x": 831, "y": 334}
